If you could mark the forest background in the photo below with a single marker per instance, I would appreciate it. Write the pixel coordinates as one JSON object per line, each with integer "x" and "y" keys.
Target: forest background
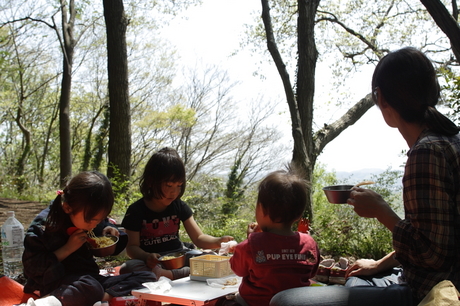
{"x": 59, "y": 110}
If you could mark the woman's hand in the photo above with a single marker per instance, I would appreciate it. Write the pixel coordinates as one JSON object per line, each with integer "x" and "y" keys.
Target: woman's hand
{"x": 363, "y": 267}
{"x": 371, "y": 267}
{"x": 369, "y": 204}
{"x": 366, "y": 202}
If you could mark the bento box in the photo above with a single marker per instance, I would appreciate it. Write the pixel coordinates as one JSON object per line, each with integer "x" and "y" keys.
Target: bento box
{"x": 209, "y": 266}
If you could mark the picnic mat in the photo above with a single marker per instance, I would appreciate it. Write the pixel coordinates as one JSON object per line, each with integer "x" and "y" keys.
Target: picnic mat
{"x": 11, "y": 292}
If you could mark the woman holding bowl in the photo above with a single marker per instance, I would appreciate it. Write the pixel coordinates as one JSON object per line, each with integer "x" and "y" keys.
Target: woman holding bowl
{"x": 426, "y": 241}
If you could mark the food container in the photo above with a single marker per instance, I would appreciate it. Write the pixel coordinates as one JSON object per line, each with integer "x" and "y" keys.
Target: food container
{"x": 209, "y": 266}
{"x": 191, "y": 254}
{"x": 337, "y": 194}
{"x": 173, "y": 260}
{"x": 108, "y": 250}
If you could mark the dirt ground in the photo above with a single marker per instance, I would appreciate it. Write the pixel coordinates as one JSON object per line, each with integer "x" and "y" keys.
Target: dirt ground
{"x": 25, "y": 211}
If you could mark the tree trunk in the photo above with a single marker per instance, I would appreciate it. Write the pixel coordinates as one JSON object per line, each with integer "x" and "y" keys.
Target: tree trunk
{"x": 445, "y": 22}
{"x": 66, "y": 83}
{"x": 119, "y": 149}
{"x": 100, "y": 145}
{"x": 307, "y": 144}
{"x": 306, "y": 69}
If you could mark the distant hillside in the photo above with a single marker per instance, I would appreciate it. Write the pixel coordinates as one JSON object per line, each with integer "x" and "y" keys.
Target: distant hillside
{"x": 357, "y": 176}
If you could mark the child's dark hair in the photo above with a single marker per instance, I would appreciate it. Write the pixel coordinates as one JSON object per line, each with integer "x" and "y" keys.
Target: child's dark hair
{"x": 408, "y": 82}
{"x": 88, "y": 191}
{"x": 283, "y": 196}
{"x": 164, "y": 166}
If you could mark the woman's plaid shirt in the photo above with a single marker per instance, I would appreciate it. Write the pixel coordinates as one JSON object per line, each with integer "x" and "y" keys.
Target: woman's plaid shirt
{"x": 427, "y": 240}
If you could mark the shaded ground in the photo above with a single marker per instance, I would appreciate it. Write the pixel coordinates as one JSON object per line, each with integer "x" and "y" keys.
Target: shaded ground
{"x": 24, "y": 211}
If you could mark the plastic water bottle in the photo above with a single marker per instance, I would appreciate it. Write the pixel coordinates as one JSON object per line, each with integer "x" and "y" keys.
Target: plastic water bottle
{"x": 12, "y": 246}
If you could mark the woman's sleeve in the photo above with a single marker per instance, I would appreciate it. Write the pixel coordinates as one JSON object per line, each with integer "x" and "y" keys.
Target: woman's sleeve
{"x": 425, "y": 236}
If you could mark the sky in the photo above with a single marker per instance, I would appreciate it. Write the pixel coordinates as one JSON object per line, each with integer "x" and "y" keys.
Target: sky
{"x": 211, "y": 32}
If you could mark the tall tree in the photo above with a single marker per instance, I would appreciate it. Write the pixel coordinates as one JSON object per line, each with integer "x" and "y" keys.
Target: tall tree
{"x": 360, "y": 32}
{"x": 119, "y": 150}
{"x": 307, "y": 143}
{"x": 447, "y": 22}
{"x": 68, "y": 43}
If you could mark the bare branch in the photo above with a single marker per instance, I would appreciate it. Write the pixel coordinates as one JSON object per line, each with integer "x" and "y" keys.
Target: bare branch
{"x": 445, "y": 22}
{"x": 331, "y": 131}
{"x": 52, "y": 26}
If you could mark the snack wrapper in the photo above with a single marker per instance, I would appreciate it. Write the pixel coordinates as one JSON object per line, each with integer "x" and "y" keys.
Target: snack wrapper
{"x": 225, "y": 282}
{"x": 163, "y": 285}
{"x": 227, "y": 247}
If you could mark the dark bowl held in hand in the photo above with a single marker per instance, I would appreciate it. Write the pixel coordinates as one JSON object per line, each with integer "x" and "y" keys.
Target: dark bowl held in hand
{"x": 108, "y": 250}
{"x": 337, "y": 194}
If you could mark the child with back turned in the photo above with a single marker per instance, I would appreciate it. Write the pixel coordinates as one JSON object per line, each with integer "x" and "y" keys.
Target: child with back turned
{"x": 59, "y": 263}
{"x": 273, "y": 257}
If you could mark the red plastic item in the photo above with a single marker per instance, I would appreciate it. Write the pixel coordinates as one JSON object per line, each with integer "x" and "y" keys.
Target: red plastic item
{"x": 71, "y": 230}
{"x": 130, "y": 301}
{"x": 304, "y": 225}
{"x": 91, "y": 241}
{"x": 12, "y": 292}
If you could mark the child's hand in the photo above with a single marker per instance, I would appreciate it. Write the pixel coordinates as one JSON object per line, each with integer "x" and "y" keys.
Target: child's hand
{"x": 77, "y": 238}
{"x": 253, "y": 228}
{"x": 152, "y": 260}
{"x": 109, "y": 230}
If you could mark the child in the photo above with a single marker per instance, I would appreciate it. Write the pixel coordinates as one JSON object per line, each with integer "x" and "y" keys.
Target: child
{"x": 60, "y": 265}
{"x": 274, "y": 258}
{"x": 152, "y": 223}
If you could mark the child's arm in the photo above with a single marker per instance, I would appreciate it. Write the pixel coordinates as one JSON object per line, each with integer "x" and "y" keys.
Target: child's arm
{"x": 241, "y": 260}
{"x": 134, "y": 250}
{"x": 76, "y": 240}
{"x": 201, "y": 240}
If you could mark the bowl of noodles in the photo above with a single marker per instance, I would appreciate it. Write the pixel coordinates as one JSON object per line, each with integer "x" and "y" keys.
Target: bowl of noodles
{"x": 173, "y": 260}
{"x": 103, "y": 246}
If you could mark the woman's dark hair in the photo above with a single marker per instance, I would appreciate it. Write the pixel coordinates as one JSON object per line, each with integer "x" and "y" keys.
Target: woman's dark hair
{"x": 164, "y": 166}
{"x": 408, "y": 82}
{"x": 283, "y": 196}
{"x": 88, "y": 191}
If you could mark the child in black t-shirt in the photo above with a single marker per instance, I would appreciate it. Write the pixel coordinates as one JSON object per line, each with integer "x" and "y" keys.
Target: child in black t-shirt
{"x": 152, "y": 223}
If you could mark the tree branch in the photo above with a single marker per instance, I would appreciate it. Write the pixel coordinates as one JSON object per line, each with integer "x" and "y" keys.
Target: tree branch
{"x": 445, "y": 22}
{"x": 331, "y": 131}
{"x": 276, "y": 56}
{"x": 27, "y": 18}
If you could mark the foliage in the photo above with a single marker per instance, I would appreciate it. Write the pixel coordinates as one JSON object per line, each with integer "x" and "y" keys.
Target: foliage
{"x": 451, "y": 93}
{"x": 338, "y": 230}
{"x": 206, "y": 198}
{"x": 125, "y": 194}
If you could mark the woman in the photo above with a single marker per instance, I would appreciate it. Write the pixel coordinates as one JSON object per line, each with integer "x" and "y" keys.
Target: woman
{"x": 426, "y": 241}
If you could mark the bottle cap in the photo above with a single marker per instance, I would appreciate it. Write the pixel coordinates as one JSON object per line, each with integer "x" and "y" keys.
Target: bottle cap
{"x": 10, "y": 214}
